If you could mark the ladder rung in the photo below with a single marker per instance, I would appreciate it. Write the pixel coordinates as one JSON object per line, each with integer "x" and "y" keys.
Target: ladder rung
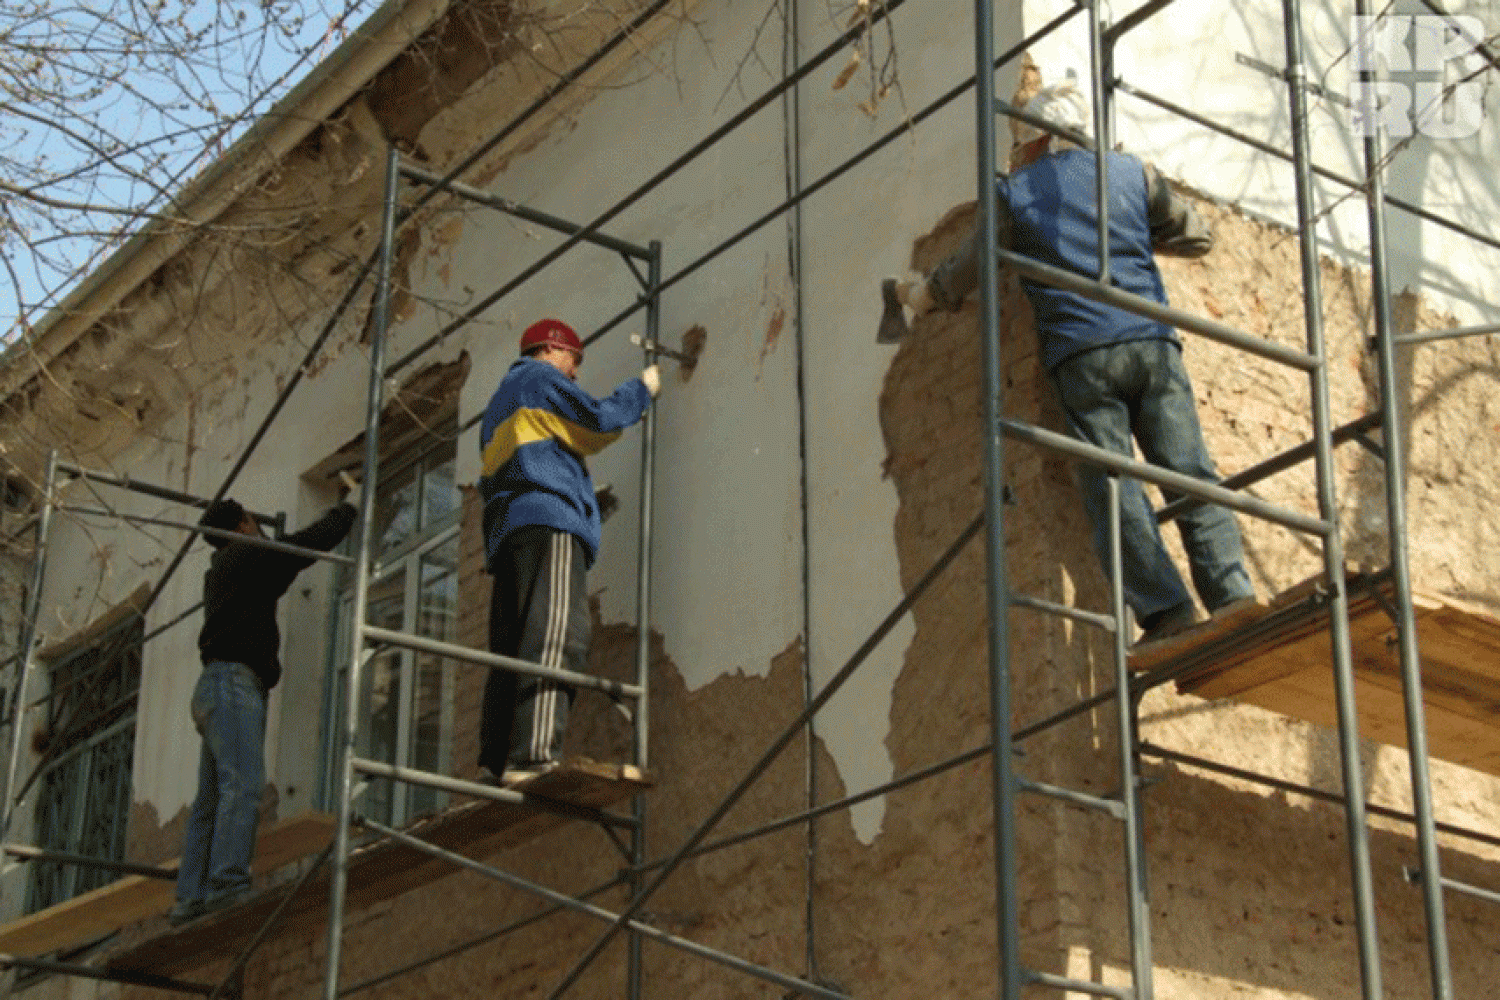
{"x": 1105, "y": 622}
{"x": 1112, "y": 806}
{"x": 1079, "y": 985}
{"x": 443, "y": 782}
{"x": 422, "y": 644}
{"x": 1414, "y": 875}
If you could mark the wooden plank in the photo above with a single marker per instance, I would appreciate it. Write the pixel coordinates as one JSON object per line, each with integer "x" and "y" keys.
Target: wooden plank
{"x": 1265, "y": 641}
{"x": 1290, "y": 671}
{"x": 1284, "y": 654}
{"x": 384, "y": 870}
{"x": 1451, "y": 736}
{"x": 135, "y": 897}
{"x": 1154, "y": 654}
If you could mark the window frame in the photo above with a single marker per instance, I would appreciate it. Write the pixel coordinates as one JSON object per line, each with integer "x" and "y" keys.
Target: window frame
{"x": 51, "y": 883}
{"x": 426, "y": 455}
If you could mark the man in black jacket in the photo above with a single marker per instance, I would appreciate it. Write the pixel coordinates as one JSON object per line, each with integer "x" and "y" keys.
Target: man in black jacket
{"x": 240, "y": 646}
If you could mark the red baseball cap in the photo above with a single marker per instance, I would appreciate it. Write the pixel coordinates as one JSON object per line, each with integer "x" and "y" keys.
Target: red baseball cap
{"x": 551, "y": 333}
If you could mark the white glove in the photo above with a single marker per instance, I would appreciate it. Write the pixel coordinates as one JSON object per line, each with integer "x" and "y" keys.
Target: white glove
{"x": 652, "y": 378}
{"x": 351, "y": 485}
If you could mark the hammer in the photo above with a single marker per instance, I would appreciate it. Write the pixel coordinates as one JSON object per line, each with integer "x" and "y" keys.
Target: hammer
{"x": 656, "y": 347}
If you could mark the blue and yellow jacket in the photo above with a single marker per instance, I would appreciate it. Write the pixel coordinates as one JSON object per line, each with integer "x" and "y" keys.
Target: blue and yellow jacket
{"x": 533, "y": 439}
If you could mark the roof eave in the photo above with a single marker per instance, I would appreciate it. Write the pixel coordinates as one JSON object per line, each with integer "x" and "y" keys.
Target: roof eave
{"x": 336, "y": 79}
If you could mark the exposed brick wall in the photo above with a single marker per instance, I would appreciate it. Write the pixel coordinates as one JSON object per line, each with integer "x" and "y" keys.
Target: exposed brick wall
{"x": 473, "y": 631}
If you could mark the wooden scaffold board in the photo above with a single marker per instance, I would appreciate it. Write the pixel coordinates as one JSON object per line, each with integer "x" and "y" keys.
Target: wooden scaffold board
{"x": 1279, "y": 656}
{"x": 383, "y": 870}
{"x": 134, "y": 898}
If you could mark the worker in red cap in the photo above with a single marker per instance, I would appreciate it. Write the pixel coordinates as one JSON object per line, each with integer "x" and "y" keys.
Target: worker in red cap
{"x": 541, "y": 529}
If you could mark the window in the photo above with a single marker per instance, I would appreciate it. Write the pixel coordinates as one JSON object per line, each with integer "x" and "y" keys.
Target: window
{"x": 87, "y": 745}
{"x": 405, "y": 707}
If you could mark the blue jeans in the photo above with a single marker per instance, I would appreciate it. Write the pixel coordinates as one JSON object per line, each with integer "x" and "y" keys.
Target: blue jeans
{"x": 229, "y": 710}
{"x": 1141, "y": 388}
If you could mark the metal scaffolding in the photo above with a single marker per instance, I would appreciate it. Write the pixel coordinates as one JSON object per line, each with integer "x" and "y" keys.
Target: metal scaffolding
{"x": 643, "y": 877}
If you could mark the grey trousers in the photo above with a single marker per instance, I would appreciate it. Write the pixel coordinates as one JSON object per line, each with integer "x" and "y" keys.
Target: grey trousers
{"x": 538, "y": 612}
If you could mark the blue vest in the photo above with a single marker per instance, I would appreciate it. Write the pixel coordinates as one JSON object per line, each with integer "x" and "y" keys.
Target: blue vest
{"x": 1052, "y": 219}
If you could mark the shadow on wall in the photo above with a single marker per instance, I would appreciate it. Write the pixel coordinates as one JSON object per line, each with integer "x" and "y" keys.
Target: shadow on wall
{"x": 1246, "y": 888}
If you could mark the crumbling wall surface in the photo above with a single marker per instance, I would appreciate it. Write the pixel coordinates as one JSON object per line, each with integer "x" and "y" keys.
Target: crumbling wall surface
{"x": 1251, "y": 409}
{"x": 746, "y": 900}
{"x": 931, "y": 414}
{"x": 1249, "y": 889}
{"x": 298, "y": 225}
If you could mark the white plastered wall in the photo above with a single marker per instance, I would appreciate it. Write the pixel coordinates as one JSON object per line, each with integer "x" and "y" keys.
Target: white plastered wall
{"x": 1212, "y": 59}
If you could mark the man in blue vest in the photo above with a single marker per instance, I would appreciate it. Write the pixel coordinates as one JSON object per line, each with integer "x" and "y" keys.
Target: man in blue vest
{"x": 1117, "y": 374}
{"x": 541, "y": 529}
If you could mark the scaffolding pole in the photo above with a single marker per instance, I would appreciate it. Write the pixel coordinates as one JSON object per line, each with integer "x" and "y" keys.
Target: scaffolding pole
{"x": 1429, "y": 336}
{"x": 1333, "y": 546}
{"x": 238, "y": 537}
{"x": 1405, "y": 616}
{"x": 997, "y": 592}
{"x": 645, "y": 536}
{"x": 999, "y": 598}
{"x": 27, "y": 651}
{"x": 350, "y": 722}
{"x": 366, "y": 638}
{"x": 82, "y": 474}
{"x": 1127, "y": 721}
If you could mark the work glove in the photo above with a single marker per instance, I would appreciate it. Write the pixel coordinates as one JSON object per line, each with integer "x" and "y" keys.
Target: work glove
{"x": 915, "y": 296}
{"x": 652, "y": 378}
{"x": 897, "y": 296}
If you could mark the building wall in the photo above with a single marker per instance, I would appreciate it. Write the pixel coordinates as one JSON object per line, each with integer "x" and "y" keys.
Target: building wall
{"x": 1249, "y": 889}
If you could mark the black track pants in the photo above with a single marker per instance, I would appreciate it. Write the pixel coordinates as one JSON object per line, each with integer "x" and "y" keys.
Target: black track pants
{"x": 538, "y": 612}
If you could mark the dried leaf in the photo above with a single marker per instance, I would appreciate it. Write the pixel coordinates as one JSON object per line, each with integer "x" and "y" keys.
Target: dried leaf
{"x": 848, "y": 71}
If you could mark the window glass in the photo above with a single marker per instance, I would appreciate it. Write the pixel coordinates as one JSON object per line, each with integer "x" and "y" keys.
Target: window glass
{"x": 434, "y": 676}
{"x": 439, "y": 490}
{"x": 405, "y": 715}
{"x": 380, "y": 717}
{"x": 397, "y": 511}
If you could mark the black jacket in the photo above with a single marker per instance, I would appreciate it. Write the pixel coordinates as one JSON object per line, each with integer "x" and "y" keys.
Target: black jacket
{"x": 241, "y": 588}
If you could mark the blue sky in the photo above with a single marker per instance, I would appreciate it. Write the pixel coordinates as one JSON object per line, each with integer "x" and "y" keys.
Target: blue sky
{"x": 108, "y": 109}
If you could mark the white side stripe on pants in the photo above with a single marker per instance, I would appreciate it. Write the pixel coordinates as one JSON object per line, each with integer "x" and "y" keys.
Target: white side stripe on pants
{"x": 544, "y": 705}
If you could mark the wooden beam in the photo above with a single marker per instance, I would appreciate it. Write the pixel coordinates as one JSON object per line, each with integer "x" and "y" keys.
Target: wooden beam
{"x": 1289, "y": 668}
{"x": 383, "y": 870}
{"x": 135, "y": 898}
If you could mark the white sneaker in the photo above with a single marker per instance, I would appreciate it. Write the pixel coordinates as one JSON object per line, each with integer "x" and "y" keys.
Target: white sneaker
{"x": 521, "y": 773}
